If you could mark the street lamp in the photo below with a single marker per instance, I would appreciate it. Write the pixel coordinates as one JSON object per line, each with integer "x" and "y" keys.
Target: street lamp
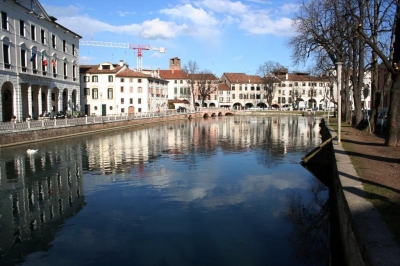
{"x": 339, "y": 98}
{"x": 101, "y": 103}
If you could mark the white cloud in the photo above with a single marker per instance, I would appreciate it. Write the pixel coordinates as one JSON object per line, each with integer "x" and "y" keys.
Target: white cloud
{"x": 263, "y": 24}
{"x": 64, "y": 11}
{"x": 85, "y": 60}
{"x": 224, "y": 6}
{"x": 289, "y": 8}
{"x": 188, "y": 12}
{"x": 125, "y": 13}
{"x": 156, "y": 29}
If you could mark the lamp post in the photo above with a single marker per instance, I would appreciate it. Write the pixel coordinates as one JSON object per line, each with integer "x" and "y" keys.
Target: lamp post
{"x": 339, "y": 98}
{"x": 101, "y": 103}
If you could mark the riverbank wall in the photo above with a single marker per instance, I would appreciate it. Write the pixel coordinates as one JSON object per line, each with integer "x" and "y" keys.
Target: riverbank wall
{"x": 359, "y": 236}
{"x": 29, "y": 136}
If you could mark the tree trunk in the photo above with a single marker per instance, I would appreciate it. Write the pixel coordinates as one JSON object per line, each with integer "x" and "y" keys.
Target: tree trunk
{"x": 393, "y": 122}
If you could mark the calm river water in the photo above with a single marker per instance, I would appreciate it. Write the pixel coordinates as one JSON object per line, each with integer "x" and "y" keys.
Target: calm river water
{"x": 216, "y": 191}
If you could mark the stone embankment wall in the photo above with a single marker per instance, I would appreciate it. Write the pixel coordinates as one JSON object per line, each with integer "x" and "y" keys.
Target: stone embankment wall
{"x": 347, "y": 247}
{"x": 23, "y": 137}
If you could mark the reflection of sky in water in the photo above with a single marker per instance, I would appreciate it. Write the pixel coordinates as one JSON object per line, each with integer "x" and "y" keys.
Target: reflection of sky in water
{"x": 219, "y": 199}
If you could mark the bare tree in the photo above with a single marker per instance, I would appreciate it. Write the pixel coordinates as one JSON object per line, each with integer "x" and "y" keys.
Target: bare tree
{"x": 190, "y": 69}
{"x": 269, "y": 72}
{"x": 391, "y": 60}
{"x": 207, "y": 84}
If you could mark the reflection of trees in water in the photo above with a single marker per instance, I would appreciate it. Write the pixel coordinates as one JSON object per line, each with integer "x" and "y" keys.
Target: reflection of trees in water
{"x": 310, "y": 236}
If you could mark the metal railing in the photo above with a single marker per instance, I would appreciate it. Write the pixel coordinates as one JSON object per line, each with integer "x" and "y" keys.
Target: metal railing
{"x": 45, "y": 123}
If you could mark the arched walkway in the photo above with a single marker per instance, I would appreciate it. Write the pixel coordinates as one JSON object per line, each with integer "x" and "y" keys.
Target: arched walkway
{"x": 6, "y": 99}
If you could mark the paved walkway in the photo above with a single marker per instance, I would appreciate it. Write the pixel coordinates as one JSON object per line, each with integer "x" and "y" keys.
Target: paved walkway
{"x": 376, "y": 241}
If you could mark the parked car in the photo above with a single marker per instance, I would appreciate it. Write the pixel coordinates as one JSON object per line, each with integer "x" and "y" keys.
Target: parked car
{"x": 181, "y": 109}
{"x": 382, "y": 118}
{"x": 60, "y": 115}
{"x": 285, "y": 107}
{"x": 366, "y": 116}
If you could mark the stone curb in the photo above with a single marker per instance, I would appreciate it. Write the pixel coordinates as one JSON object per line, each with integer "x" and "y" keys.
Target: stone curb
{"x": 375, "y": 241}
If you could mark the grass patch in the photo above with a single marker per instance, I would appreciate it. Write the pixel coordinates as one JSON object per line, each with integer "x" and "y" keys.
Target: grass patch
{"x": 384, "y": 199}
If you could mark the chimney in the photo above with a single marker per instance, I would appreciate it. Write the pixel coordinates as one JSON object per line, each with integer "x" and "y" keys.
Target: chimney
{"x": 121, "y": 62}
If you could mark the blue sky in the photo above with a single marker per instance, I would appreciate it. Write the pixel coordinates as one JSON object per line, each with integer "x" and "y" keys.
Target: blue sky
{"x": 220, "y": 35}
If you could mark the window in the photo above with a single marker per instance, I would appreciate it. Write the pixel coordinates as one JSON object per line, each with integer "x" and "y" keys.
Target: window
{"x": 110, "y": 78}
{"x": 53, "y": 41}
{"x": 53, "y": 62}
{"x": 23, "y": 60}
{"x": 65, "y": 70}
{"x": 122, "y": 88}
{"x": 42, "y": 36}
{"x": 64, "y": 46}
{"x": 33, "y": 60}
{"x": 33, "y": 32}
{"x": 122, "y": 80}
{"x": 139, "y": 110}
{"x": 86, "y": 91}
{"x": 110, "y": 93}
{"x": 122, "y": 100}
{"x": 233, "y": 87}
{"x": 139, "y": 90}
{"x": 4, "y": 20}
{"x": 131, "y": 89}
{"x": 86, "y": 78}
{"x": 95, "y": 78}
{"x": 181, "y": 81}
{"x": 74, "y": 72}
{"x": 122, "y": 110}
{"x": 130, "y": 100}
{"x": 22, "y": 28}
{"x": 95, "y": 94}
{"x": 130, "y": 80}
{"x": 175, "y": 81}
{"x": 73, "y": 49}
{"x": 139, "y": 101}
{"x": 6, "y": 56}
{"x": 139, "y": 80}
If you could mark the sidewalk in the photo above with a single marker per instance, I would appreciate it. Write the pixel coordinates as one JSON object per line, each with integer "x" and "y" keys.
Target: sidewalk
{"x": 376, "y": 242}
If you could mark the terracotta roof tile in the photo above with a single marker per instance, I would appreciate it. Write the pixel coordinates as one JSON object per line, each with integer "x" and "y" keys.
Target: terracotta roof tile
{"x": 178, "y": 101}
{"x": 94, "y": 69}
{"x": 173, "y": 74}
{"x": 242, "y": 78}
{"x": 223, "y": 87}
{"x": 132, "y": 73}
{"x": 303, "y": 78}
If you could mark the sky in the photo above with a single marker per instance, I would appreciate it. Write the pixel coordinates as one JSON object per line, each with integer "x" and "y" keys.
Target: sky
{"x": 219, "y": 35}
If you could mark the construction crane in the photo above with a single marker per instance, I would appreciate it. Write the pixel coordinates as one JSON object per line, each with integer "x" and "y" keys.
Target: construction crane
{"x": 138, "y": 47}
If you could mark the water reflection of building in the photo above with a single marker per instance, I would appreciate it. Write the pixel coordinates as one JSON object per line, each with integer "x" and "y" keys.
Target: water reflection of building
{"x": 35, "y": 199}
{"x": 116, "y": 153}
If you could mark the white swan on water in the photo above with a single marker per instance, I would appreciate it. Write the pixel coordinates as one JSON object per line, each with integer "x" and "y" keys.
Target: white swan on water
{"x": 30, "y": 151}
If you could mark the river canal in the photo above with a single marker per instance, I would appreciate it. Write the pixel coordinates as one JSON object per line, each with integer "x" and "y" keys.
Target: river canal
{"x": 217, "y": 191}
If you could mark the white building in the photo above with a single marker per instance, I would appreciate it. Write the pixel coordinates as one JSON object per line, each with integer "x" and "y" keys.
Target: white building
{"x": 39, "y": 65}
{"x": 114, "y": 89}
{"x": 301, "y": 90}
{"x": 239, "y": 90}
{"x": 178, "y": 89}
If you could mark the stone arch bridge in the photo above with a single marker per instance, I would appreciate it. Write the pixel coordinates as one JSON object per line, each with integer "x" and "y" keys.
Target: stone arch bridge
{"x": 210, "y": 112}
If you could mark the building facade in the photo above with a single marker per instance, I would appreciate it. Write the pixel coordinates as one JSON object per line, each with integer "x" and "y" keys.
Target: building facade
{"x": 178, "y": 88}
{"x": 114, "y": 89}
{"x": 245, "y": 91}
{"x": 39, "y": 65}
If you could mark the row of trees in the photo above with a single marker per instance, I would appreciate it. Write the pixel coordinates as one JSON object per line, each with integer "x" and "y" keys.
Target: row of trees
{"x": 202, "y": 83}
{"x": 361, "y": 34}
